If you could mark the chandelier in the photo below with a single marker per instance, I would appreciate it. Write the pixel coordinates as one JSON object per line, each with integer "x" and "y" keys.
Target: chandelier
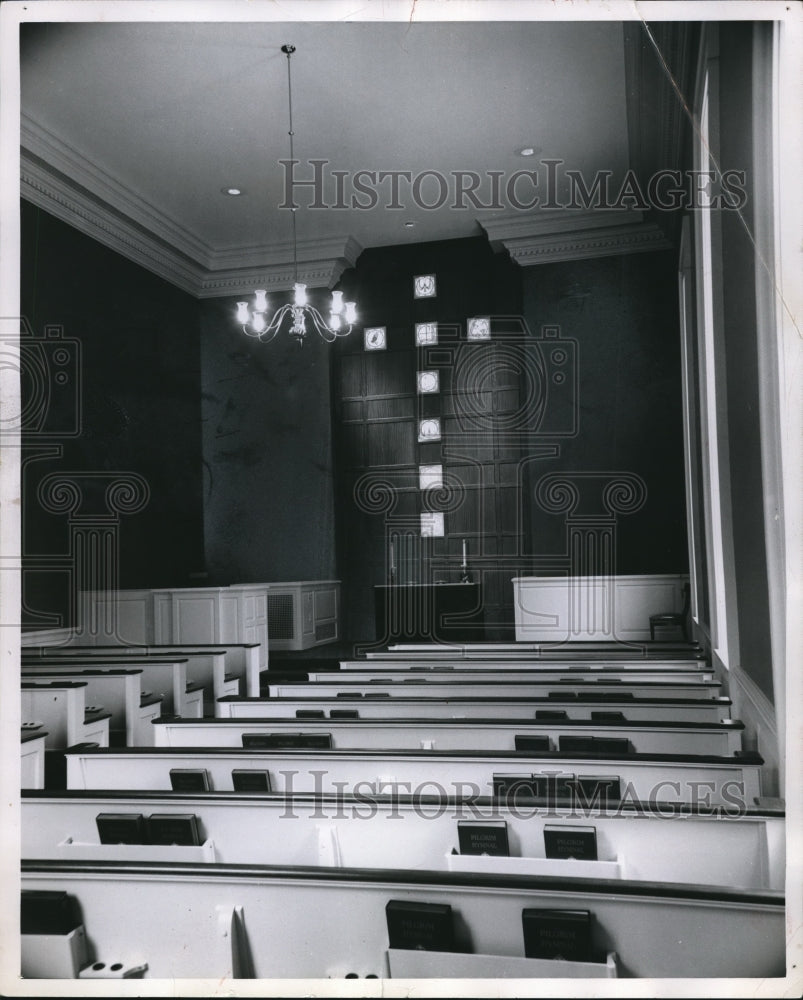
{"x": 298, "y": 316}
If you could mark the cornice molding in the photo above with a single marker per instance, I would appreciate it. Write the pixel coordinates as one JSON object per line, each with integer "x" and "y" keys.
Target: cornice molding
{"x": 59, "y": 180}
{"x": 574, "y": 236}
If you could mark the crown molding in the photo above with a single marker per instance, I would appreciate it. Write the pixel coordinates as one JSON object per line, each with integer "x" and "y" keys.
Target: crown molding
{"x": 568, "y": 235}
{"x": 56, "y": 178}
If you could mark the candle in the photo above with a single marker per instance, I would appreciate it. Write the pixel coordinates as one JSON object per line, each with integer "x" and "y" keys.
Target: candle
{"x": 464, "y": 552}
{"x": 392, "y": 556}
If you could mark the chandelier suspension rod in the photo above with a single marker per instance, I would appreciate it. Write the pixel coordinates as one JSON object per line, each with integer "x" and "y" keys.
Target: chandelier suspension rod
{"x": 288, "y": 51}
{"x": 300, "y": 314}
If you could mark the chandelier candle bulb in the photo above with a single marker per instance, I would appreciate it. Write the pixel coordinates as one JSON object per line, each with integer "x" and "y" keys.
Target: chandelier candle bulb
{"x": 296, "y": 316}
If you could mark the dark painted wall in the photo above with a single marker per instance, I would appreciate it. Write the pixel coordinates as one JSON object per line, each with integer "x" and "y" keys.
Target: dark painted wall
{"x": 377, "y": 411}
{"x": 138, "y": 387}
{"x": 622, "y": 314}
{"x": 268, "y": 479}
{"x": 739, "y": 326}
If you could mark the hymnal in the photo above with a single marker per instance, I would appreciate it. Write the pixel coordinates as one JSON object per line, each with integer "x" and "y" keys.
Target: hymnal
{"x": 608, "y": 717}
{"x": 612, "y": 744}
{"x": 121, "y": 828}
{"x": 187, "y": 779}
{"x": 516, "y": 787}
{"x": 310, "y": 713}
{"x": 551, "y": 715}
{"x": 424, "y": 926}
{"x": 173, "y": 828}
{"x": 576, "y": 744}
{"x": 288, "y": 741}
{"x": 578, "y": 842}
{"x": 537, "y": 744}
{"x": 558, "y": 934}
{"x": 244, "y": 780}
{"x": 593, "y": 788}
{"x": 562, "y": 695}
{"x": 555, "y": 787}
{"x": 483, "y": 838}
{"x": 344, "y": 713}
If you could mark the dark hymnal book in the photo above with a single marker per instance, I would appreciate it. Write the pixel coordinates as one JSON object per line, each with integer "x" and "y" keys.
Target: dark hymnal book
{"x": 576, "y": 744}
{"x": 121, "y": 828}
{"x": 173, "y": 828}
{"x": 344, "y": 713}
{"x": 612, "y": 744}
{"x": 557, "y": 934}
{"x": 349, "y": 694}
{"x": 537, "y": 744}
{"x": 514, "y": 787}
{"x": 590, "y": 789}
{"x": 288, "y": 741}
{"x": 310, "y": 713}
{"x": 377, "y": 694}
{"x": 555, "y": 787}
{"x": 578, "y": 842}
{"x": 562, "y": 695}
{"x": 188, "y": 779}
{"x": 244, "y": 780}
{"x": 483, "y": 838}
{"x": 423, "y": 926}
{"x": 608, "y": 717}
{"x": 551, "y": 715}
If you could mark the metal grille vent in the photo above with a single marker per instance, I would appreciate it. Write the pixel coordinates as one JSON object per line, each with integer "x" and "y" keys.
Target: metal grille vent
{"x": 281, "y": 623}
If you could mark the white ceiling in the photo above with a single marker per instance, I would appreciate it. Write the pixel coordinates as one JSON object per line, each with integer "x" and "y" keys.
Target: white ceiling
{"x": 174, "y": 112}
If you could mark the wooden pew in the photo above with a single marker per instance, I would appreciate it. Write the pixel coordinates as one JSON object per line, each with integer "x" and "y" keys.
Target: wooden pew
{"x": 400, "y": 664}
{"x": 120, "y": 693}
{"x": 241, "y": 659}
{"x": 166, "y": 678}
{"x": 486, "y": 689}
{"x": 32, "y": 755}
{"x": 588, "y": 649}
{"x": 734, "y": 849}
{"x": 61, "y": 708}
{"x": 262, "y": 922}
{"x": 544, "y": 650}
{"x": 206, "y": 670}
{"x": 717, "y": 738}
{"x": 640, "y": 777}
{"x": 503, "y": 673}
{"x": 576, "y": 706}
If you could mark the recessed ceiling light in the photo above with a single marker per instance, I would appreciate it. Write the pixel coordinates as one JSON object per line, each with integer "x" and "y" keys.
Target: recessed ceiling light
{"x": 529, "y": 150}
{"x": 233, "y": 191}
{"x": 409, "y": 224}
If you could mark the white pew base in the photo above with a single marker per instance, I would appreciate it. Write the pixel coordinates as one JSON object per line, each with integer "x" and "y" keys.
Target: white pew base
{"x": 413, "y": 964}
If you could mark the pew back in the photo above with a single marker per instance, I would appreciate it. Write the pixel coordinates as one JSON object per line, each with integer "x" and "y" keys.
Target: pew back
{"x": 719, "y": 738}
{"x": 706, "y": 846}
{"x": 576, "y": 707}
{"x": 295, "y": 925}
{"x": 732, "y": 781}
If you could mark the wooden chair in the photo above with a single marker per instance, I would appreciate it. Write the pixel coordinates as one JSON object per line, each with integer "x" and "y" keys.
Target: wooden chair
{"x": 674, "y": 619}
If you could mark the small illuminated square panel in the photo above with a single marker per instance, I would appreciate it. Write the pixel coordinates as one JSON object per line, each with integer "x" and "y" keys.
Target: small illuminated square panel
{"x": 376, "y": 338}
{"x": 432, "y": 524}
{"x": 426, "y": 333}
{"x": 430, "y": 477}
{"x": 479, "y": 328}
{"x": 428, "y": 381}
{"x": 424, "y": 286}
{"x": 429, "y": 429}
